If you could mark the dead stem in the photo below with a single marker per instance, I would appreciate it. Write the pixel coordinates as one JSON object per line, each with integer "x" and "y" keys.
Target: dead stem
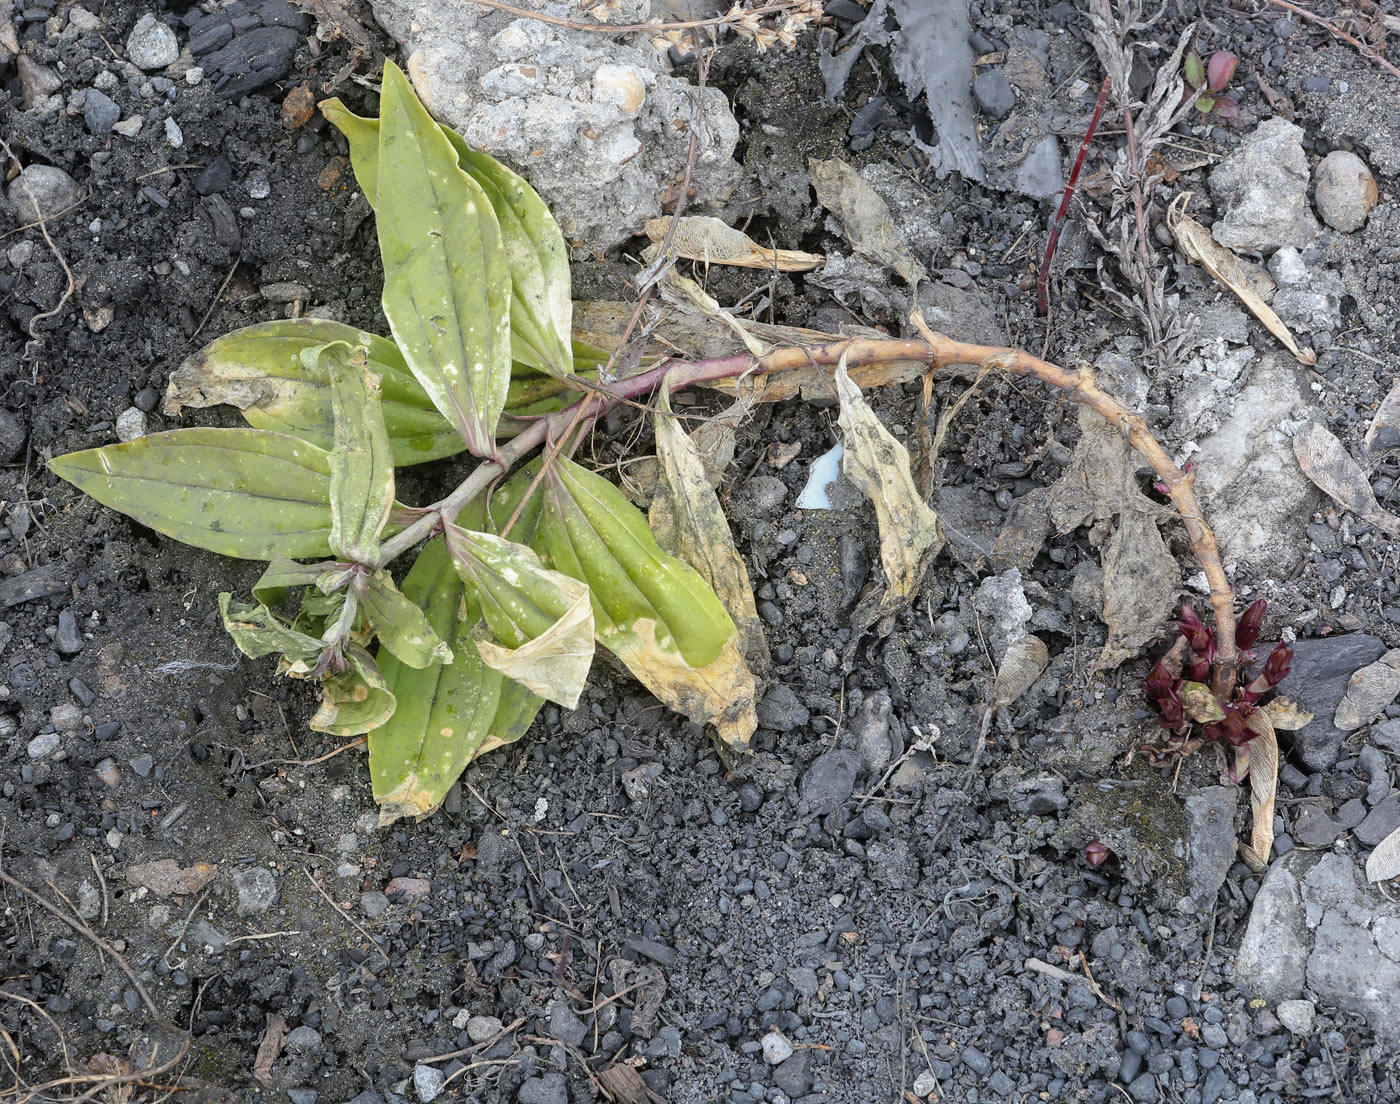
{"x": 1312, "y": 17}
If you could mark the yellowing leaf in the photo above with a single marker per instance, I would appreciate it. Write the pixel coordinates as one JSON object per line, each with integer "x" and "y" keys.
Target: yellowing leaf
{"x": 257, "y": 632}
{"x": 652, "y": 610}
{"x": 361, "y": 462}
{"x": 542, "y": 620}
{"x": 259, "y": 370}
{"x": 688, "y": 521}
{"x": 355, "y": 700}
{"x": 713, "y": 241}
{"x": 910, "y": 535}
{"x": 1200, "y": 702}
{"x": 554, "y": 664}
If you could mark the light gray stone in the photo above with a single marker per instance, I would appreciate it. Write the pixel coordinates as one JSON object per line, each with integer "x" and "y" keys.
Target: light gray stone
{"x": 1263, "y": 189}
{"x": 1273, "y": 955}
{"x": 1002, "y": 603}
{"x": 592, "y": 121}
{"x": 1345, "y": 191}
{"x": 1247, "y": 475}
{"x": 151, "y": 44}
{"x": 257, "y": 890}
{"x": 42, "y": 191}
{"x": 428, "y": 1082}
{"x": 1297, "y": 1015}
{"x": 1210, "y": 841}
{"x": 481, "y": 1028}
{"x": 776, "y": 1048}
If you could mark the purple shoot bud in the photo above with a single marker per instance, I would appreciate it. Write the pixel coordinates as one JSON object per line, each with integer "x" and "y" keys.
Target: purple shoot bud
{"x": 1220, "y": 69}
{"x": 1096, "y": 853}
{"x": 1247, "y": 631}
{"x": 1276, "y": 669}
{"x": 1198, "y": 636}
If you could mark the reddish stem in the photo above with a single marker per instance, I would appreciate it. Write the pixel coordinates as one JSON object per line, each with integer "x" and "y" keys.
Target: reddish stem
{"x": 1042, "y": 283}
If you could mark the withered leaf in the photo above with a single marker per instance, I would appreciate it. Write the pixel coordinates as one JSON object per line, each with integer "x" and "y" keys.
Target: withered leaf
{"x": 1327, "y": 463}
{"x": 713, "y": 241}
{"x": 1384, "y": 862}
{"x": 1263, "y": 788}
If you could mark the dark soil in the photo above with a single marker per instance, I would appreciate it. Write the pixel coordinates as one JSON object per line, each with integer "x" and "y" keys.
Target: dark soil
{"x": 895, "y": 930}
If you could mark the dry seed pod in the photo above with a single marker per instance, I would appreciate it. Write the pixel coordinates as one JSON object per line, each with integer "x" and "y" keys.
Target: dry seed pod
{"x": 1022, "y": 665}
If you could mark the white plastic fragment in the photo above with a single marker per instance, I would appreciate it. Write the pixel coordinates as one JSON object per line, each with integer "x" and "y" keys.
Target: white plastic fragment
{"x": 826, "y": 468}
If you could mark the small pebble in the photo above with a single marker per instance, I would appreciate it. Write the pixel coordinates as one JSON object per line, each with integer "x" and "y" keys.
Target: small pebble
{"x": 776, "y": 1048}
{"x": 373, "y": 904}
{"x": 142, "y": 765}
{"x": 481, "y": 1028}
{"x": 1297, "y": 1015}
{"x": 1345, "y": 191}
{"x": 131, "y": 424}
{"x": 151, "y": 44}
{"x": 44, "y": 745}
{"x": 100, "y": 112}
{"x": 68, "y": 641}
{"x": 173, "y": 134}
{"x": 428, "y": 1082}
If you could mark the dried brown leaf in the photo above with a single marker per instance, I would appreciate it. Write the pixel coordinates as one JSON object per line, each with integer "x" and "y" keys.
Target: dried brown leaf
{"x": 910, "y": 535}
{"x": 687, "y": 521}
{"x": 1327, "y": 463}
{"x": 1263, "y": 788}
{"x": 1286, "y": 715}
{"x": 1369, "y": 691}
{"x": 1197, "y": 245}
{"x": 269, "y": 1048}
{"x": 1384, "y": 862}
{"x": 1023, "y": 663}
{"x": 864, "y": 217}
{"x": 554, "y": 664}
{"x": 713, "y": 241}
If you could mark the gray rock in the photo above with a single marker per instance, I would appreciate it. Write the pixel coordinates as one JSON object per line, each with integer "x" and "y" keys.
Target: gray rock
{"x": 1273, "y": 955}
{"x": 44, "y": 745}
{"x": 781, "y": 711}
{"x": 68, "y": 641}
{"x": 100, "y": 111}
{"x": 1387, "y": 735}
{"x": 1263, "y": 189}
{"x": 1247, "y": 475}
{"x": 795, "y": 1076}
{"x": 1041, "y": 175}
{"x": 303, "y": 1040}
{"x": 151, "y": 44}
{"x": 1347, "y": 970}
{"x": 871, "y": 727}
{"x": 1002, "y": 603}
{"x": 1321, "y": 668}
{"x": 1345, "y": 191}
{"x": 1314, "y": 828}
{"x": 257, "y": 890}
{"x": 41, "y": 191}
{"x": 131, "y": 424}
{"x": 764, "y": 494}
{"x": 549, "y": 1088}
{"x": 776, "y": 1048}
{"x": 373, "y": 904}
{"x": 597, "y": 126}
{"x": 302, "y": 1096}
{"x": 994, "y": 93}
{"x": 12, "y": 434}
{"x": 143, "y": 764}
{"x": 428, "y": 1082}
{"x": 564, "y": 1024}
{"x": 829, "y": 782}
{"x": 481, "y": 1028}
{"x": 1210, "y": 841}
{"x": 37, "y": 82}
{"x": 1380, "y": 822}
{"x": 1297, "y": 1015}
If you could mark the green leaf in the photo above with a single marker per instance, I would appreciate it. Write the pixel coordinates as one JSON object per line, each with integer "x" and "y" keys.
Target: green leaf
{"x": 362, "y": 466}
{"x": 541, "y": 319}
{"x": 239, "y": 492}
{"x": 258, "y": 632}
{"x": 446, "y": 278}
{"x": 543, "y": 618}
{"x": 402, "y": 626}
{"x": 282, "y": 574}
{"x": 447, "y": 714}
{"x": 355, "y": 700}
{"x": 650, "y": 609}
{"x": 259, "y": 370}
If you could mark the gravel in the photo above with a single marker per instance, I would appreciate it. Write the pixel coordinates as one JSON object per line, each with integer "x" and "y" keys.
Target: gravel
{"x": 257, "y": 890}
{"x": 152, "y": 44}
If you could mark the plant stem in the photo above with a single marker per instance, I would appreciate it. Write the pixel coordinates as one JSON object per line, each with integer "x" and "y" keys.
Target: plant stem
{"x": 938, "y": 352}
{"x": 1042, "y": 283}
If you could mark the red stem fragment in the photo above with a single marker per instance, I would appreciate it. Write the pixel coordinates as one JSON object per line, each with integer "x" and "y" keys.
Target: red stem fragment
{"x": 1042, "y": 283}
